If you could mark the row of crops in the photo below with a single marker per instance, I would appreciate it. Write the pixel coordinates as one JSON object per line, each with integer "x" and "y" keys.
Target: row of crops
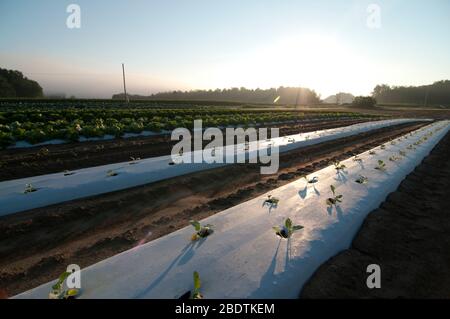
{"x": 35, "y": 124}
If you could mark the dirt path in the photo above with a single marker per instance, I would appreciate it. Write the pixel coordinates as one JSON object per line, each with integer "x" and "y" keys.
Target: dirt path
{"x": 19, "y": 163}
{"x": 408, "y": 236}
{"x": 35, "y": 246}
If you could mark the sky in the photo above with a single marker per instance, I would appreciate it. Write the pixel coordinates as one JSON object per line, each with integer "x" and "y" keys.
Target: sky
{"x": 329, "y": 46}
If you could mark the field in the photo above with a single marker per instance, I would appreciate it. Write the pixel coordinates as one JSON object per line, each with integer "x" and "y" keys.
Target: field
{"x": 38, "y": 122}
{"x": 36, "y": 244}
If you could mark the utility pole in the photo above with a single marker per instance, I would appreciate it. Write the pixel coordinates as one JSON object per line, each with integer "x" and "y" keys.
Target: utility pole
{"x": 124, "y": 85}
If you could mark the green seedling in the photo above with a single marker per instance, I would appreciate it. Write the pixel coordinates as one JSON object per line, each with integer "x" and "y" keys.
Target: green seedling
{"x": 197, "y": 284}
{"x": 134, "y": 160}
{"x": 394, "y": 158}
{"x": 383, "y": 146}
{"x": 58, "y": 291}
{"x": 271, "y": 200}
{"x": 201, "y": 231}
{"x": 372, "y": 153}
{"x": 381, "y": 165}
{"x": 314, "y": 180}
{"x": 68, "y": 173}
{"x": 111, "y": 173}
{"x": 335, "y": 199}
{"x": 356, "y": 158}
{"x": 29, "y": 189}
{"x": 338, "y": 166}
{"x": 362, "y": 179}
{"x": 287, "y": 229}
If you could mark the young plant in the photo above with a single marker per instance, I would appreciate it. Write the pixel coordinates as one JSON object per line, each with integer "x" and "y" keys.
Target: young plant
{"x": 383, "y": 146}
{"x": 338, "y": 166}
{"x": 356, "y": 158}
{"x": 372, "y": 153}
{"x": 201, "y": 231}
{"x": 362, "y": 179}
{"x": 271, "y": 200}
{"x": 58, "y": 291}
{"x": 68, "y": 173}
{"x": 394, "y": 158}
{"x": 29, "y": 189}
{"x": 314, "y": 180}
{"x": 197, "y": 284}
{"x": 134, "y": 160}
{"x": 111, "y": 173}
{"x": 287, "y": 229}
{"x": 381, "y": 165}
{"x": 335, "y": 199}
{"x": 402, "y": 153}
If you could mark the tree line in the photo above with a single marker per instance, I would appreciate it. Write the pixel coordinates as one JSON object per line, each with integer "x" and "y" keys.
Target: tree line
{"x": 282, "y": 95}
{"x": 14, "y": 84}
{"x": 437, "y": 93}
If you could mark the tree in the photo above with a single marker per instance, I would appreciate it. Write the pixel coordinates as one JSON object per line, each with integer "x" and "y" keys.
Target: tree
{"x": 437, "y": 93}
{"x": 14, "y": 84}
{"x": 6, "y": 89}
{"x": 364, "y": 101}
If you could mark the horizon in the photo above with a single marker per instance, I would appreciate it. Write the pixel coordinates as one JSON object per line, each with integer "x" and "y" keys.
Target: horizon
{"x": 328, "y": 47}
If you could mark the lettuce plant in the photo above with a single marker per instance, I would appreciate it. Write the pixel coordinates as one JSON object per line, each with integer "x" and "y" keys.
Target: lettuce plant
{"x": 338, "y": 166}
{"x": 111, "y": 173}
{"x": 201, "y": 231}
{"x": 394, "y": 158}
{"x": 287, "y": 229}
{"x": 362, "y": 179}
{"x": 335, "y": 199}
{"x": 134, "y": 160}
{"x": 68, "y": 173}
{"x": 381, "y": 165}
{"x": 271, "y": 200}
{"x": 356, "y": 158}
{"x": 58, "y": 291}
{"x": 29, "y": 189}
{"x": 197, "y": 284}
{"x": 314, "y": 180}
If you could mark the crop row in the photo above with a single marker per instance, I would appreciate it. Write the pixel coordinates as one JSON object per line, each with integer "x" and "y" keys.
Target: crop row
{"x": 36, "y": 125}
{"x": 288, "y": 228}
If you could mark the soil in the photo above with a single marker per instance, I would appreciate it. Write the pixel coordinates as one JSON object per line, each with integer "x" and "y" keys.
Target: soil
{"x": 37, "y": 245}
{"x": 408, "y": 236}
{"x": 26, "y": 162}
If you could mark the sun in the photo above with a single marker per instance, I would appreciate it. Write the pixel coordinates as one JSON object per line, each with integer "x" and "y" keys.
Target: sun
{"x": 319, "y": 62}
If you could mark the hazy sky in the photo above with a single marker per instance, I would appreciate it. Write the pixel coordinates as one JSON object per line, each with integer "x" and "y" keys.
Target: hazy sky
{"x": 200, "y": 44}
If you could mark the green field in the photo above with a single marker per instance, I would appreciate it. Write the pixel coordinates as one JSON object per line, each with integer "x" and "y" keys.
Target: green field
{"x": 38, "y": 121}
